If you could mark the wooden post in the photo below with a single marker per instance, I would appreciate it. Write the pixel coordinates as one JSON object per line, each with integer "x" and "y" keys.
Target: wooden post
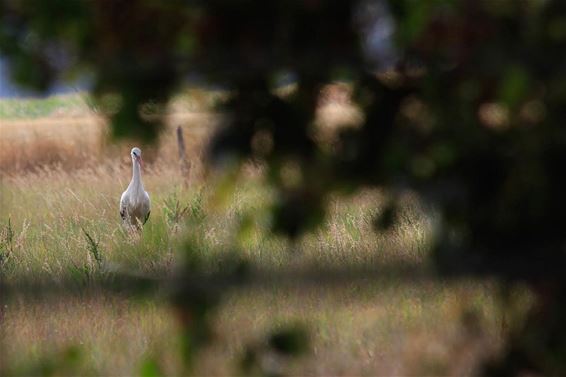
{"x": 184, "y": 164}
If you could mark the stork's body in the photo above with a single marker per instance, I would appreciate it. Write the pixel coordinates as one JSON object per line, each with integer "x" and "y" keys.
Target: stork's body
{"x": 135, "y": 204}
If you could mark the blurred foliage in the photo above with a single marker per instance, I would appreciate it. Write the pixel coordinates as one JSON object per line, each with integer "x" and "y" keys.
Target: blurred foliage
{"x": 268, "y": 356}
{"x": 466, "y": 110}
{"x": 151, "y": 368}
{"x": 64, "y": 362}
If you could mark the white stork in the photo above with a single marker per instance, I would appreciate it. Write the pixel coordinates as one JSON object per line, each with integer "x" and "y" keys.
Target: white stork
{"x": 134, "y": 203}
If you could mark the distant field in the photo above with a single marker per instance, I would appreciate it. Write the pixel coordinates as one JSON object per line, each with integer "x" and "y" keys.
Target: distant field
{"x": 382, "y": 327}
{"x": 77, "y": 142}
{"x": 69, "y": 132}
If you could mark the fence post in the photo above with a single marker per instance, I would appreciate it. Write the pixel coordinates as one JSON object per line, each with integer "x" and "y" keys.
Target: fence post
{"x": 184, "y": 164}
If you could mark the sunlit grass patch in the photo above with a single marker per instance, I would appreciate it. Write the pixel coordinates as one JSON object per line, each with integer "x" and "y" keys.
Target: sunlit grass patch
{"x": 29, "y": 108}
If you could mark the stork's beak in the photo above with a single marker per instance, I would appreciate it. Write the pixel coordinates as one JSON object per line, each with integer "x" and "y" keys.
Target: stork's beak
{"x": 140, "y": 161}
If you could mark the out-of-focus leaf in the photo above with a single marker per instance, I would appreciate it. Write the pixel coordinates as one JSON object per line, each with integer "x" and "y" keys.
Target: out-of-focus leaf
{"x": 386, "y": 219}
{"x": 150, "y": 368}
{"x": 514, "y": 86}
{"x": 290, "y": 341}
{"x": 297, "y": 212}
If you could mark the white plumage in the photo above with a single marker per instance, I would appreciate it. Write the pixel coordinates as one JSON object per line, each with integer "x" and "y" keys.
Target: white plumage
{"x": 135, "y": 204}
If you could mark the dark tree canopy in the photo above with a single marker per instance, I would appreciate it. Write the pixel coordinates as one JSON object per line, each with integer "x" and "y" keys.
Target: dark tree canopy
{"x": 464, "y": 104}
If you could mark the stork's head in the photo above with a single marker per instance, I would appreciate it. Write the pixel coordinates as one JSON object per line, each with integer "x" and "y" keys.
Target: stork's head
{"x": 136, "y": 155}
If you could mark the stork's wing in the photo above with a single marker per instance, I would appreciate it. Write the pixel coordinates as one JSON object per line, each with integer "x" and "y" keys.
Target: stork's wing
{"x": 147, "y": 205}
{"x": 123, "y": 206}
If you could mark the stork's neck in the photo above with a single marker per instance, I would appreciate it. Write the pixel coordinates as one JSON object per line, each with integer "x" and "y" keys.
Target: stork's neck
{"x": 136, "y": 175}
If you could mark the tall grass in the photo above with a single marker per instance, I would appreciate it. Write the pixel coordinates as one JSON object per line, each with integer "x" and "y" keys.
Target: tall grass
{"x": 61, "y": 220}
{"x": 67, "y": 224}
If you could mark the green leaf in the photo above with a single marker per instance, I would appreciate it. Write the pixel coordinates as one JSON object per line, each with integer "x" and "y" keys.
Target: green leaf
{"x": 514, "y": 86}
{"x": 150, "y": 368}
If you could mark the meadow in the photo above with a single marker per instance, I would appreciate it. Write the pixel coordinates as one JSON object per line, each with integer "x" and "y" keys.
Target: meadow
{"x": 61, "y": 183}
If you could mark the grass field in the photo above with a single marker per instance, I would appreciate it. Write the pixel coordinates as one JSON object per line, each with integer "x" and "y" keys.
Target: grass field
{"x": 382, "y": 327}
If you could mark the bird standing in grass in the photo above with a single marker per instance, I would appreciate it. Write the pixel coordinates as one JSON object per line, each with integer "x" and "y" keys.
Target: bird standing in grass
{"x": 134, "y": 203}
